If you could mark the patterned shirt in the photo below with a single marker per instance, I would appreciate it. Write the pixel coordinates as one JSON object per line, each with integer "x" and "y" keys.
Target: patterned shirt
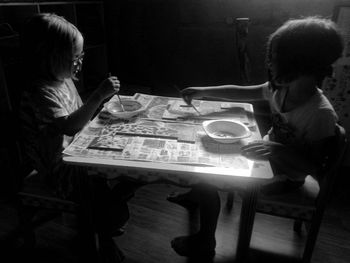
{"x": 43, "y": 142}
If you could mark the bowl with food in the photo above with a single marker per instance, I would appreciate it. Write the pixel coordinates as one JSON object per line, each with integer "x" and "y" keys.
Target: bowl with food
{"x": 226, "y": 131}
{"x": 125, "y": 108}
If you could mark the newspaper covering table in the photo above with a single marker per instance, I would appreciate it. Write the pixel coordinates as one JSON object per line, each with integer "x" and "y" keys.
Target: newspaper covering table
{"x": 168, "y": 131}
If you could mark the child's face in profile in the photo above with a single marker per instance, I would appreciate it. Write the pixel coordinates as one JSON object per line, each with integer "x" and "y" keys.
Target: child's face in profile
{"x": 273, "y": 68}
{"x": 78, "y": 56}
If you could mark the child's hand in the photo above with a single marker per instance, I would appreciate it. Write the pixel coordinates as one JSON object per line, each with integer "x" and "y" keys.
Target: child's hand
{"x": 108, "y": 87}
{"x": 189, "y": 93}
{"x": 262, "y": 150}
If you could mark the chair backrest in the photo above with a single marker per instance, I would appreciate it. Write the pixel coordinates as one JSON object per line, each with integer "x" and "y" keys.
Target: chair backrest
{"x": 334, "y": 160}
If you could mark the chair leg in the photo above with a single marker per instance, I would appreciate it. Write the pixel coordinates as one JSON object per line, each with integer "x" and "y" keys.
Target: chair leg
{"x": 230, "y": 200}
{"x": 298, "y": 224}
{"x": 93, "y": 246}
{"x": 109, "y": 251}
{"x": 311, "y": 238}
{"x": 25, "y": 229}
{"x": 246, "y": 223}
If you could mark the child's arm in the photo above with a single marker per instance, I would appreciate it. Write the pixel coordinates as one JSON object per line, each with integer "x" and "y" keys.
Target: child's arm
{"x": 231, "y": 92}
{"x": 288, "y": 160}
{"x": 74, "y": 122}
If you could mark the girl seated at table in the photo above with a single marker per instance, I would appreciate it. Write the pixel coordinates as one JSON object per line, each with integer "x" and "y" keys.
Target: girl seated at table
{"x": 52, "y": 113}
{"x": 300, "y": 55}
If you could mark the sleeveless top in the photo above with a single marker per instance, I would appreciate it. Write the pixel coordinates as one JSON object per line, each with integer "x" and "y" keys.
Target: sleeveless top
{"x": 310, "y": 122}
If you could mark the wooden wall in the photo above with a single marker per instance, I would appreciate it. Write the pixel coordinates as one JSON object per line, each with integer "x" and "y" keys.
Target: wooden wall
{"x": 192, "y": 42}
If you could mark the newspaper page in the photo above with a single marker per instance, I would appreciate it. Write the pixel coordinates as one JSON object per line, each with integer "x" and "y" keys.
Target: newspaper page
{"x": 175, "y": 109}
{"x": 154, "y": 139}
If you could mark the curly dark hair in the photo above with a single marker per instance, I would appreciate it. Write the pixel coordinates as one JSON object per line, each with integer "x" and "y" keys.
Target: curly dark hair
{"x": 306, "y": 46}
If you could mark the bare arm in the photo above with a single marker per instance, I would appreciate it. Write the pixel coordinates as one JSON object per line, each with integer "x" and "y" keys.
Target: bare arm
{"x": 227, "y": 92}
{"x": 289, "y": 160}
{"x": 74, "y": 122}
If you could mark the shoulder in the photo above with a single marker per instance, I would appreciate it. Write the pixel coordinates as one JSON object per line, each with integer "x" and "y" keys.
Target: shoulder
{"x": 46, "y": 96}
{"x": 56, "y": 91}
{"x": 43, "y": 88}
{"x": 319, "y": 117}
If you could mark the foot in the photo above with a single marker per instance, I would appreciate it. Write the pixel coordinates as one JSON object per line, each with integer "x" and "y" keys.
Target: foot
{"x": 119, "y": 217}
{"x": 184, "y": 199}
{"x": 194, "y": 246}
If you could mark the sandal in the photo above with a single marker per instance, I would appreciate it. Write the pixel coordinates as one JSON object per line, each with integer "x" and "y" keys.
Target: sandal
{"x": 183, "y": 199}
{"x": 194, "y": 246}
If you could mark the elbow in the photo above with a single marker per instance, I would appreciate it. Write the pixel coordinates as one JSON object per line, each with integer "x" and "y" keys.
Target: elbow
{"x": 68, "y": 127}
{"x": 70, "y": 131}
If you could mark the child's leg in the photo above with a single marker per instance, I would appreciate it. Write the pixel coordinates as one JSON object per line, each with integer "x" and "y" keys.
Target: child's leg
{"x": 280, "y": 184}
{"x": 202, "y": 243}
{"x": 295, "y": 177}
{"x": 121, "y": 193}
{"x": 109, "y": 207}
{"x": 187, "y": 199}
{"x": 125, "y": 188}
{"x": 96, "y": 200}
{"x": 209, "y": 207}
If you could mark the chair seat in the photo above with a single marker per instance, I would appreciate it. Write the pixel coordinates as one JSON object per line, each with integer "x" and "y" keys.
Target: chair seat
{"x": 35, "y": 193}
{"x": 299, "y": 203}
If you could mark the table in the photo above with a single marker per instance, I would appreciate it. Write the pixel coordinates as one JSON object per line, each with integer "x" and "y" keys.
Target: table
{"x": 166, "y": 143}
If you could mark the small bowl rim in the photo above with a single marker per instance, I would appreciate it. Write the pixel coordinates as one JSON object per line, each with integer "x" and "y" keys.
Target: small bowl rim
{"x": 124, "y": 114}
{"x": 205, "y": 124}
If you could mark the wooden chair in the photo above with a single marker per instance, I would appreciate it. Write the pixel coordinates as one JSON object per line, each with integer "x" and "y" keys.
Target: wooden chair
{"x": 36, "y": 203}
{"x": 307, "y": 204}
{"x": 34, "y": 199}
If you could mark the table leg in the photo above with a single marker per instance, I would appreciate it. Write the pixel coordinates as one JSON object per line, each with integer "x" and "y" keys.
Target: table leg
{"x": 246, "y": 223}
{"x": 88, "y": 239}
{"x": 95, "y": 245}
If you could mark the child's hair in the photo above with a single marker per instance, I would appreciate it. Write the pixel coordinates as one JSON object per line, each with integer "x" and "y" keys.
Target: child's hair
{"x": 307, "y": 46}
{"x": 47, "y": 44}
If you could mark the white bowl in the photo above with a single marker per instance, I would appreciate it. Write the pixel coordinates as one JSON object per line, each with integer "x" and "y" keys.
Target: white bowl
{"x": 226, "y": 131}
{"x": 131, "y": 108}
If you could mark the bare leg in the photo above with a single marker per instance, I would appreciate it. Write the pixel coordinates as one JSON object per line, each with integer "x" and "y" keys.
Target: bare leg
{"x": 202, "y": 243}
{"x": 187, "y": 199}
{"x": 209, "y": 208}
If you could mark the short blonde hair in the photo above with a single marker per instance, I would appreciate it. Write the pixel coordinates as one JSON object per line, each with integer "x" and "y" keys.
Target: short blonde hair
{"x": 48, "y": 41}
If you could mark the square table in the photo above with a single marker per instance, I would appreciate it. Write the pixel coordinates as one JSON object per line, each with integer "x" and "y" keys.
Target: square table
{"x": 167, "y": 143}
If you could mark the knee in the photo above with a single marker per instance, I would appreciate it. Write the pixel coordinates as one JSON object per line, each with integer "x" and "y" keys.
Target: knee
{"x": 208, "y": 194}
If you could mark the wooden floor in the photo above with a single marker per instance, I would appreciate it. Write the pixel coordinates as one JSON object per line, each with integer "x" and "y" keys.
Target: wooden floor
{"x": 154, "y": 222}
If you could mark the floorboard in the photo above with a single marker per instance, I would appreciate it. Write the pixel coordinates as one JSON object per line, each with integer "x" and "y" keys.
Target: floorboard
{"x": 155, "y": 222}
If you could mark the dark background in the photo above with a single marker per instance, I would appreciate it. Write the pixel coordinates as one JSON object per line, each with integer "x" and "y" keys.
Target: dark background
{"x": 150, "y": 45}
{"x": 192, "y": 42}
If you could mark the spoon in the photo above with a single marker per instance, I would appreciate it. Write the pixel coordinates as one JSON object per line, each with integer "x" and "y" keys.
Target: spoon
{"x": 120, "y": 101}
{"x": 176, "y": 87}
